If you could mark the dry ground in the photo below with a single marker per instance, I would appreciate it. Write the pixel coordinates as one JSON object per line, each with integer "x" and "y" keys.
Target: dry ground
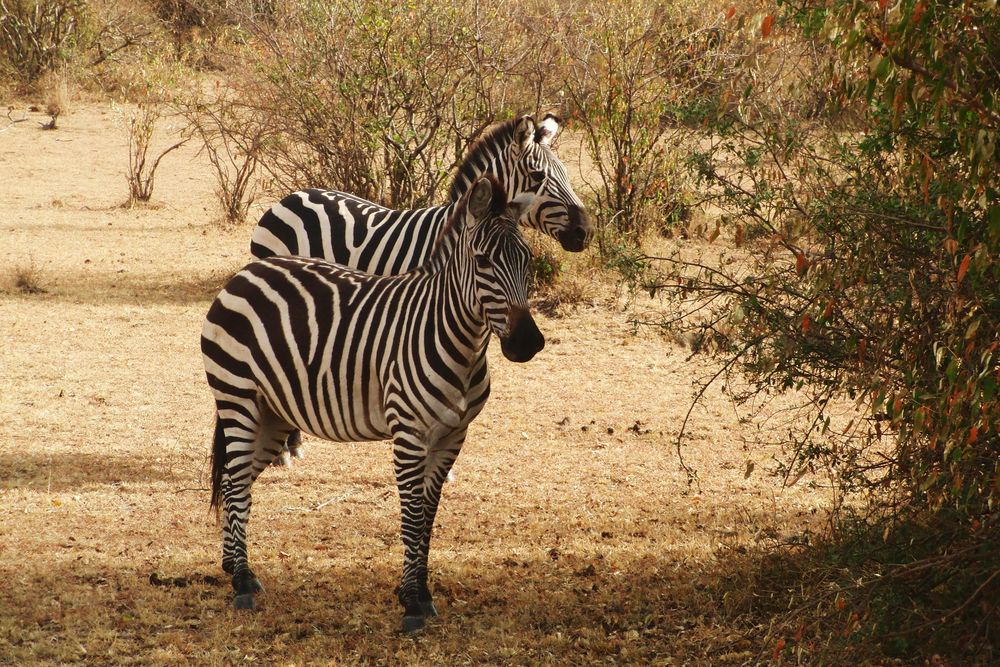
{"x": 567, "y": 537}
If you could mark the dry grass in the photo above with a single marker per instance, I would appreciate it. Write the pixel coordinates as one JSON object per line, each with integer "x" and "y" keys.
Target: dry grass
{"x": 57, "y": 98}
{"x": 26, "y": 278}
{"x": 570, "y": 535}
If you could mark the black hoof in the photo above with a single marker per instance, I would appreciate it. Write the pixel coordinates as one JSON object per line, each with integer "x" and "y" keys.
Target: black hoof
{"x": 427, "y": 609}
{"x": 413, "y": 624}
{"x": 247, "y": 584}
{"x": 244, "y": 601}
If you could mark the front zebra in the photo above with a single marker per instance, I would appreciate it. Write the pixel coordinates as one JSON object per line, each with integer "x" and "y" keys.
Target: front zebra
{"x": 355, "y": 232}
{"x": 297, "y": 343}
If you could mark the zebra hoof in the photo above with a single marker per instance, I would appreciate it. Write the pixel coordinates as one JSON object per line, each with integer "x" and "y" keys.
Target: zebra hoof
{"x": 247, "y": 585}
{"x": 244, "y": 601}
{"x": 413, "y": 624}
{"x": 427, "y": 609}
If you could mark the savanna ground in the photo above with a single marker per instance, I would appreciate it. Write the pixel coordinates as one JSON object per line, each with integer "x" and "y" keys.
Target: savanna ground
{"x": 570, "y": 534}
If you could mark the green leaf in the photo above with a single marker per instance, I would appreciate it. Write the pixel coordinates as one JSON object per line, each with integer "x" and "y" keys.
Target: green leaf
{"x": 882, "y": 68}
{"x": 971, "y": 331}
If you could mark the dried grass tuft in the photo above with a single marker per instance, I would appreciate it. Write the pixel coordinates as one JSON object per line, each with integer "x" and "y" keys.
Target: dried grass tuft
{"x": 27, "y": 279}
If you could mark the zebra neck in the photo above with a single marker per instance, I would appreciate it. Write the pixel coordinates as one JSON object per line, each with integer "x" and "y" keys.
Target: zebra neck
{"x": 453, "y": 287}
{"x": 490, "y": 155}
{"x": 449, "y": 235}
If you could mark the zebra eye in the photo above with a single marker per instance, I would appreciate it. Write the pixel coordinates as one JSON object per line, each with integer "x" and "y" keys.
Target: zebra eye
{"x": 483, "y": 262}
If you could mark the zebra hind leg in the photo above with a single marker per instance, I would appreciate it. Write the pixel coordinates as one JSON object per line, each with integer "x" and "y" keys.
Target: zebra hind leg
{"x": 249, "y": 446}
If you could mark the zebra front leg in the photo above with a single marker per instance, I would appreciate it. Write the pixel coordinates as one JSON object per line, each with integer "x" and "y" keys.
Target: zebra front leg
{"x": 408, "y": 461}
{"x": 437, "y": 469}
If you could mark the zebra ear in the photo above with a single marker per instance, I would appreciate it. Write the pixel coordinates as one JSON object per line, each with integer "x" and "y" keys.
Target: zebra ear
{"x": 548, "y": 129}
{"x": 524, "y": 133}
{"x": 481, "y": 199}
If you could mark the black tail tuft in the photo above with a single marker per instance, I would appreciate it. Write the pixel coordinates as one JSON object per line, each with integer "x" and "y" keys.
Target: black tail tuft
{"x": 218, "y": 464}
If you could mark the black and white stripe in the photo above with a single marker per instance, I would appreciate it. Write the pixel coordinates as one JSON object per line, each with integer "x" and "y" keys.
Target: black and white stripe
{"x": 355, "y": 232}
{"x": 301, "y": 343}
{"x": 358, "y": 233}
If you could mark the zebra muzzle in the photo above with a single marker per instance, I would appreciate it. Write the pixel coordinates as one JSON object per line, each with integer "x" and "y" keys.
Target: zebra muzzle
{"x": 524, "y": 340}
{"x": 577, "y": 235}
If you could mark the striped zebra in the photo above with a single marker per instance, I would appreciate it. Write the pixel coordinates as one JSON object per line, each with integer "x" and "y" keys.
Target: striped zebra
{"x": 355, "y": 232}
{"x": 295, "y": 342}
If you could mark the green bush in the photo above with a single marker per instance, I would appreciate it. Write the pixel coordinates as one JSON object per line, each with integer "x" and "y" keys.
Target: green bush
{"x": 544, "y": 270}
{"x": 873, "y": 279}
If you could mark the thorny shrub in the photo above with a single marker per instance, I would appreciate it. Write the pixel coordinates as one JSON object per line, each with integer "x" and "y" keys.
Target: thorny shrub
{"x": 145, "y": 100}
{"x": 140, "y": 124}
{"x": 377, "y": 99}
{"x": 233, "y": 138}
{"x": 874, "y": 276}
{"x": 35, "y": 37}
{"x": 635, "y": 77}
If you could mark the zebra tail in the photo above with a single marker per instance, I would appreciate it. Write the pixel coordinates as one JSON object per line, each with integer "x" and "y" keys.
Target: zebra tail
{"x": 218, "y": 464}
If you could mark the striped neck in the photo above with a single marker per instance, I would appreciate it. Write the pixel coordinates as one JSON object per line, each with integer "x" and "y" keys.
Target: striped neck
{"x": 489, "y": 155}
{"x": 449, "y": 239}
{"x": 450, "y": 271}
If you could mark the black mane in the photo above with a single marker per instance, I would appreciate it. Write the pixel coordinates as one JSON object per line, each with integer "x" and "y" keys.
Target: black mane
{"x": 472, "y": 164}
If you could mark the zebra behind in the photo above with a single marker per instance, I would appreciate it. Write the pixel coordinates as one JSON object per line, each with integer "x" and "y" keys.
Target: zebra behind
{"x": 355, "y": 232}
{"x": 358, "y": 233}
{"x": 294, "y": 342}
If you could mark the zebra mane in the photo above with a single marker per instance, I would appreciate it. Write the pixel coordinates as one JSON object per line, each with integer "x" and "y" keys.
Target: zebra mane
{"x": 453, "y": 228}
{"x": 478, "y": 155}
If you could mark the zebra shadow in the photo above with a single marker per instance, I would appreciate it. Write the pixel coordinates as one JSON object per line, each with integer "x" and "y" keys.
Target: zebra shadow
{"x": 647, "y": 599}
{"x": 135, "y": 288}
{"x": 82, "y": 472}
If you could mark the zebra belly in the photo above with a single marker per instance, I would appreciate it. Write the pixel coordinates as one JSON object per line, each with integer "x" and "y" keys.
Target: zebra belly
{"x": 351, "y": 414}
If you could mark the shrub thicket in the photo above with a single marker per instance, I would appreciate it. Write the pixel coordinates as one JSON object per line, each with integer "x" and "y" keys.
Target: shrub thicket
{"x": 377, "y": 99}
{"x": 635, "y": 76}
{"x": 872, "y": 279}
{"x": 35, "y": 37}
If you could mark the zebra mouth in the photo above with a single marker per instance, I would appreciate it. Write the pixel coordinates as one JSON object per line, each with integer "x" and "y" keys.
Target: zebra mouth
{"x": 576, "y": 236}
{"x": 524, "y": 340}
{"x": 518, "y": 354}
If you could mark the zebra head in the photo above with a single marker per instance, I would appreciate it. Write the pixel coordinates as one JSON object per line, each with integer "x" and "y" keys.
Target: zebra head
{"x": 557, "y": 211}
{"x": 500, "y": 260}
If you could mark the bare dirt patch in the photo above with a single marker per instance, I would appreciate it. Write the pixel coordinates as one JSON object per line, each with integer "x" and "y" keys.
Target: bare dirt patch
{"x": 570, "y": 534}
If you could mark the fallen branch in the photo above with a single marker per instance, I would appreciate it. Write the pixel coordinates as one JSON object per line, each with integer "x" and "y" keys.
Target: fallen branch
{"x": 13, "y": 121}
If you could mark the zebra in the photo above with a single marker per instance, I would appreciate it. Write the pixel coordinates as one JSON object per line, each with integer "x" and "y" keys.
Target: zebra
{"x": 355, "y": 232}
{"x": 295, "y": 342}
